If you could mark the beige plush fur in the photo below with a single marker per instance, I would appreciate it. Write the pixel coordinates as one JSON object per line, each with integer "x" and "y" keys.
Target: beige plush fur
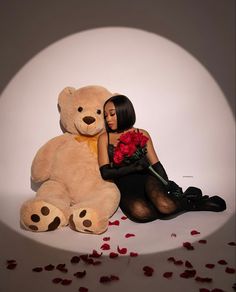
{"x": 72, "y": 190}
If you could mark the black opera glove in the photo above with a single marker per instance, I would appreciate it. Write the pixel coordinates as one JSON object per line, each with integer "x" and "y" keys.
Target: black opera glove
{"x": 158, "y": 167}
{"x": 109, "y": 172}
{"x": 172, "y": 188}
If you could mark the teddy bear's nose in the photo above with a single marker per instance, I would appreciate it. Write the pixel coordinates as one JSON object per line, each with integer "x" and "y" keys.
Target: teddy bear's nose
{"x": 89, "y": 120}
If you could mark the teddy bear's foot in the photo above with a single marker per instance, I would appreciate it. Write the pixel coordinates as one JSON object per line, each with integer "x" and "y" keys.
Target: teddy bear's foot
{"x": 88, "y": 221}
{"x": 42, "y": 216}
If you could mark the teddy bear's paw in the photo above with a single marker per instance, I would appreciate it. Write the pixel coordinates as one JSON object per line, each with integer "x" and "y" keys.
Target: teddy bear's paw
{"x": 42, "y": 216}
{"x": 87, "y": 221}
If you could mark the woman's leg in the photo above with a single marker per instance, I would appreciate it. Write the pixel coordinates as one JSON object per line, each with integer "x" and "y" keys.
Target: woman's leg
{"x": 138, "y": 209}
{"x": 158, "y": 195}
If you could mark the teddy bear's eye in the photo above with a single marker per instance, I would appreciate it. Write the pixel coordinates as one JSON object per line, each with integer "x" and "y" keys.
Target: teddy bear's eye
{"x": 99, "y": 112}
{"x": 80, "y": 109}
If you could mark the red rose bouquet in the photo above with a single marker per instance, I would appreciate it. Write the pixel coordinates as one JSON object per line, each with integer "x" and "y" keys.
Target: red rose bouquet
{"x": 131, "y": 147}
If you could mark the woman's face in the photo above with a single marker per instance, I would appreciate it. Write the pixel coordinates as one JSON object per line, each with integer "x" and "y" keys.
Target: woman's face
{"x": 110, "y": 115}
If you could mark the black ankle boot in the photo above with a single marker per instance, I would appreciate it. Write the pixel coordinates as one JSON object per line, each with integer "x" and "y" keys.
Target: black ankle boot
{"x": 193, "y": 200}
{"x": 204, "y": 203}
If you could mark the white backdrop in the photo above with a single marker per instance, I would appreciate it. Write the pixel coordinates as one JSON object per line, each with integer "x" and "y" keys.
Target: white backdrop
{"x": 175, "y": 98}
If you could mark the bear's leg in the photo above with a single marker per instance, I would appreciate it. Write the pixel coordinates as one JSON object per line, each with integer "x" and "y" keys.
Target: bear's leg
{"x": 92, "y": 216}
{"x": 49, "y": 210}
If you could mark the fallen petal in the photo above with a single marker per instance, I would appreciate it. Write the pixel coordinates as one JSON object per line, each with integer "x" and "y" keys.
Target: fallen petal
{"x": 83, "y": 289}
{"x": 11, "y": 266}
{"x": 230, "y": 270}
{"x": 49, "y": 267}
{"x": 56, "y": 280}
{"x": 66, "y": 282}
{"x": 128, "y": 235}
{"x": 106, "y": 238}
{"x": 104, "y": 279}
{"x": 105, "y": 246}
{"x": 148, "y": 271}
{"x": 133, "y": 254}
{"x": 203, "y": 241}
{"x": 116, "y": 222}
{"x": 232, "y": 243}
{"x": 203, "y": 280}
{"x": 113, "y": 255}
{"x": 167, "y": 275}
{"x": 188, "y": 246}
{"x": 188, "y": 264}
{"x": 188, "y": 274}
{"x": 122, "y": 250}
{"x": 80, "y": 274}
{"x": 195, "y": 232}
{"x": 114, "y": 278}
{"x": 37, "y": 269}
{"x": 75, "y": 260}
{"x": 95, "y": 254}
{"x": 222, "y": 262}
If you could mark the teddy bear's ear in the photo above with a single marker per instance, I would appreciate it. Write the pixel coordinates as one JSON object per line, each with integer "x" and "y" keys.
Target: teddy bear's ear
{"x": 67, "y": 92}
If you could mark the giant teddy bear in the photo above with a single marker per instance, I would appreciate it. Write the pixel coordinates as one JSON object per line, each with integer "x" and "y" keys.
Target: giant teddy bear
{"x": 72, "y": 190}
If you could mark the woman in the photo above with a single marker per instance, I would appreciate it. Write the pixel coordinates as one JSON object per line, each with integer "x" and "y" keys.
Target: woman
{"x": 144, "y": 197}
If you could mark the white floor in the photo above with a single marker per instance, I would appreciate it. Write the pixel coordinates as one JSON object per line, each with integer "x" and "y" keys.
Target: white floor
{"x": 154, "y": 242}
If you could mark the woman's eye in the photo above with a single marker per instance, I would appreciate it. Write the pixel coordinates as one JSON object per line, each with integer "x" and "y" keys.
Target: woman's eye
{"x": 112, "y": 115}
{"x": 80, "y": 109}
{"x": 99, "y": 112}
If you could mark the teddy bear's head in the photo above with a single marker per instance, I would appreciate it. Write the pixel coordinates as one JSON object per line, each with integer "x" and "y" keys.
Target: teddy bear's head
{"x": 81, "y": 110}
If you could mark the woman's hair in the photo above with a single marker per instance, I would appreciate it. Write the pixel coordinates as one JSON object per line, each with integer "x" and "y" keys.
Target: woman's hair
{"x": 124, "y": 111}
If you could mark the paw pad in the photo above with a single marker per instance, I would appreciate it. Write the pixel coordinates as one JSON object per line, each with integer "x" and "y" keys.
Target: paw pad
{"x": 45, "y": 211}
{"x": 82, "y": 213}
{"x": 35, "y": 218}
{"x": 45, "y": 217}
{"x": 87, "y": 223}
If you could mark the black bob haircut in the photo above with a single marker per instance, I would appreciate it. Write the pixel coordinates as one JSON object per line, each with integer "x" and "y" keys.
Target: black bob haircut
{"x": 124, "y": 111}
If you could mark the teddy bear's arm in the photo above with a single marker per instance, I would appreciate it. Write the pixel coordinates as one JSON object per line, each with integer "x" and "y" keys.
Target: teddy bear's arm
{"x": 42, "y": 162}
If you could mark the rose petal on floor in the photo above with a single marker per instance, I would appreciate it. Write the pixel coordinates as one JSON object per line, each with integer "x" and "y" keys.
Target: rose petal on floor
{"x": 116, "y": 222}
{"x": 168, "y": 275}
{"x": 122, "y": 250}
{"x": 133, "y": 254}
{"x": 128, "y": 235}
{"x": 105, "y": 246}
{"x": 83, "y": 289}
{"x": 75, "y": 260}
{"x": 194, "y": 232}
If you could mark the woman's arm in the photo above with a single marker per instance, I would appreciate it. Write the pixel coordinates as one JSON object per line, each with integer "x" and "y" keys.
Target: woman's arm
{"x": 153, "y": 158}
{"x": 102, "y": 150}
{"x": 151, "y": 153}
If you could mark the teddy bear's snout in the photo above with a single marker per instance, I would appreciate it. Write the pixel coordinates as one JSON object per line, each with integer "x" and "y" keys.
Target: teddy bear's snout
{"x": 89, "y": 120}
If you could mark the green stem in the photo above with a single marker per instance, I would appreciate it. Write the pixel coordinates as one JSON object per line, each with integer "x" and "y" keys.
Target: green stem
{"x": 158, "y": 176}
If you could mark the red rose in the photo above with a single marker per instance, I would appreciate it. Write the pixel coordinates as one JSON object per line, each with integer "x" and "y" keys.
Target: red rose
{"x": 132, "y": 149}
{"x": 118, "y": 157}
{"x": 126, "y": 138}
{"x": 124, "y": 149}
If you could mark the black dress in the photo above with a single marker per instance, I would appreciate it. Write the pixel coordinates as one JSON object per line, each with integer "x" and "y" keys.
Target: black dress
{"x": 137, "y": 193}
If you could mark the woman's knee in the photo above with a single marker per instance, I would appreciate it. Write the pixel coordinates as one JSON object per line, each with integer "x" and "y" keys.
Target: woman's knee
{"x": 165, "y": 206}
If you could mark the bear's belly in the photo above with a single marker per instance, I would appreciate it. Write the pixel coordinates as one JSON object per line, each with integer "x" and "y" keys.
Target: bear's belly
{"x": 75, "y": 166}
